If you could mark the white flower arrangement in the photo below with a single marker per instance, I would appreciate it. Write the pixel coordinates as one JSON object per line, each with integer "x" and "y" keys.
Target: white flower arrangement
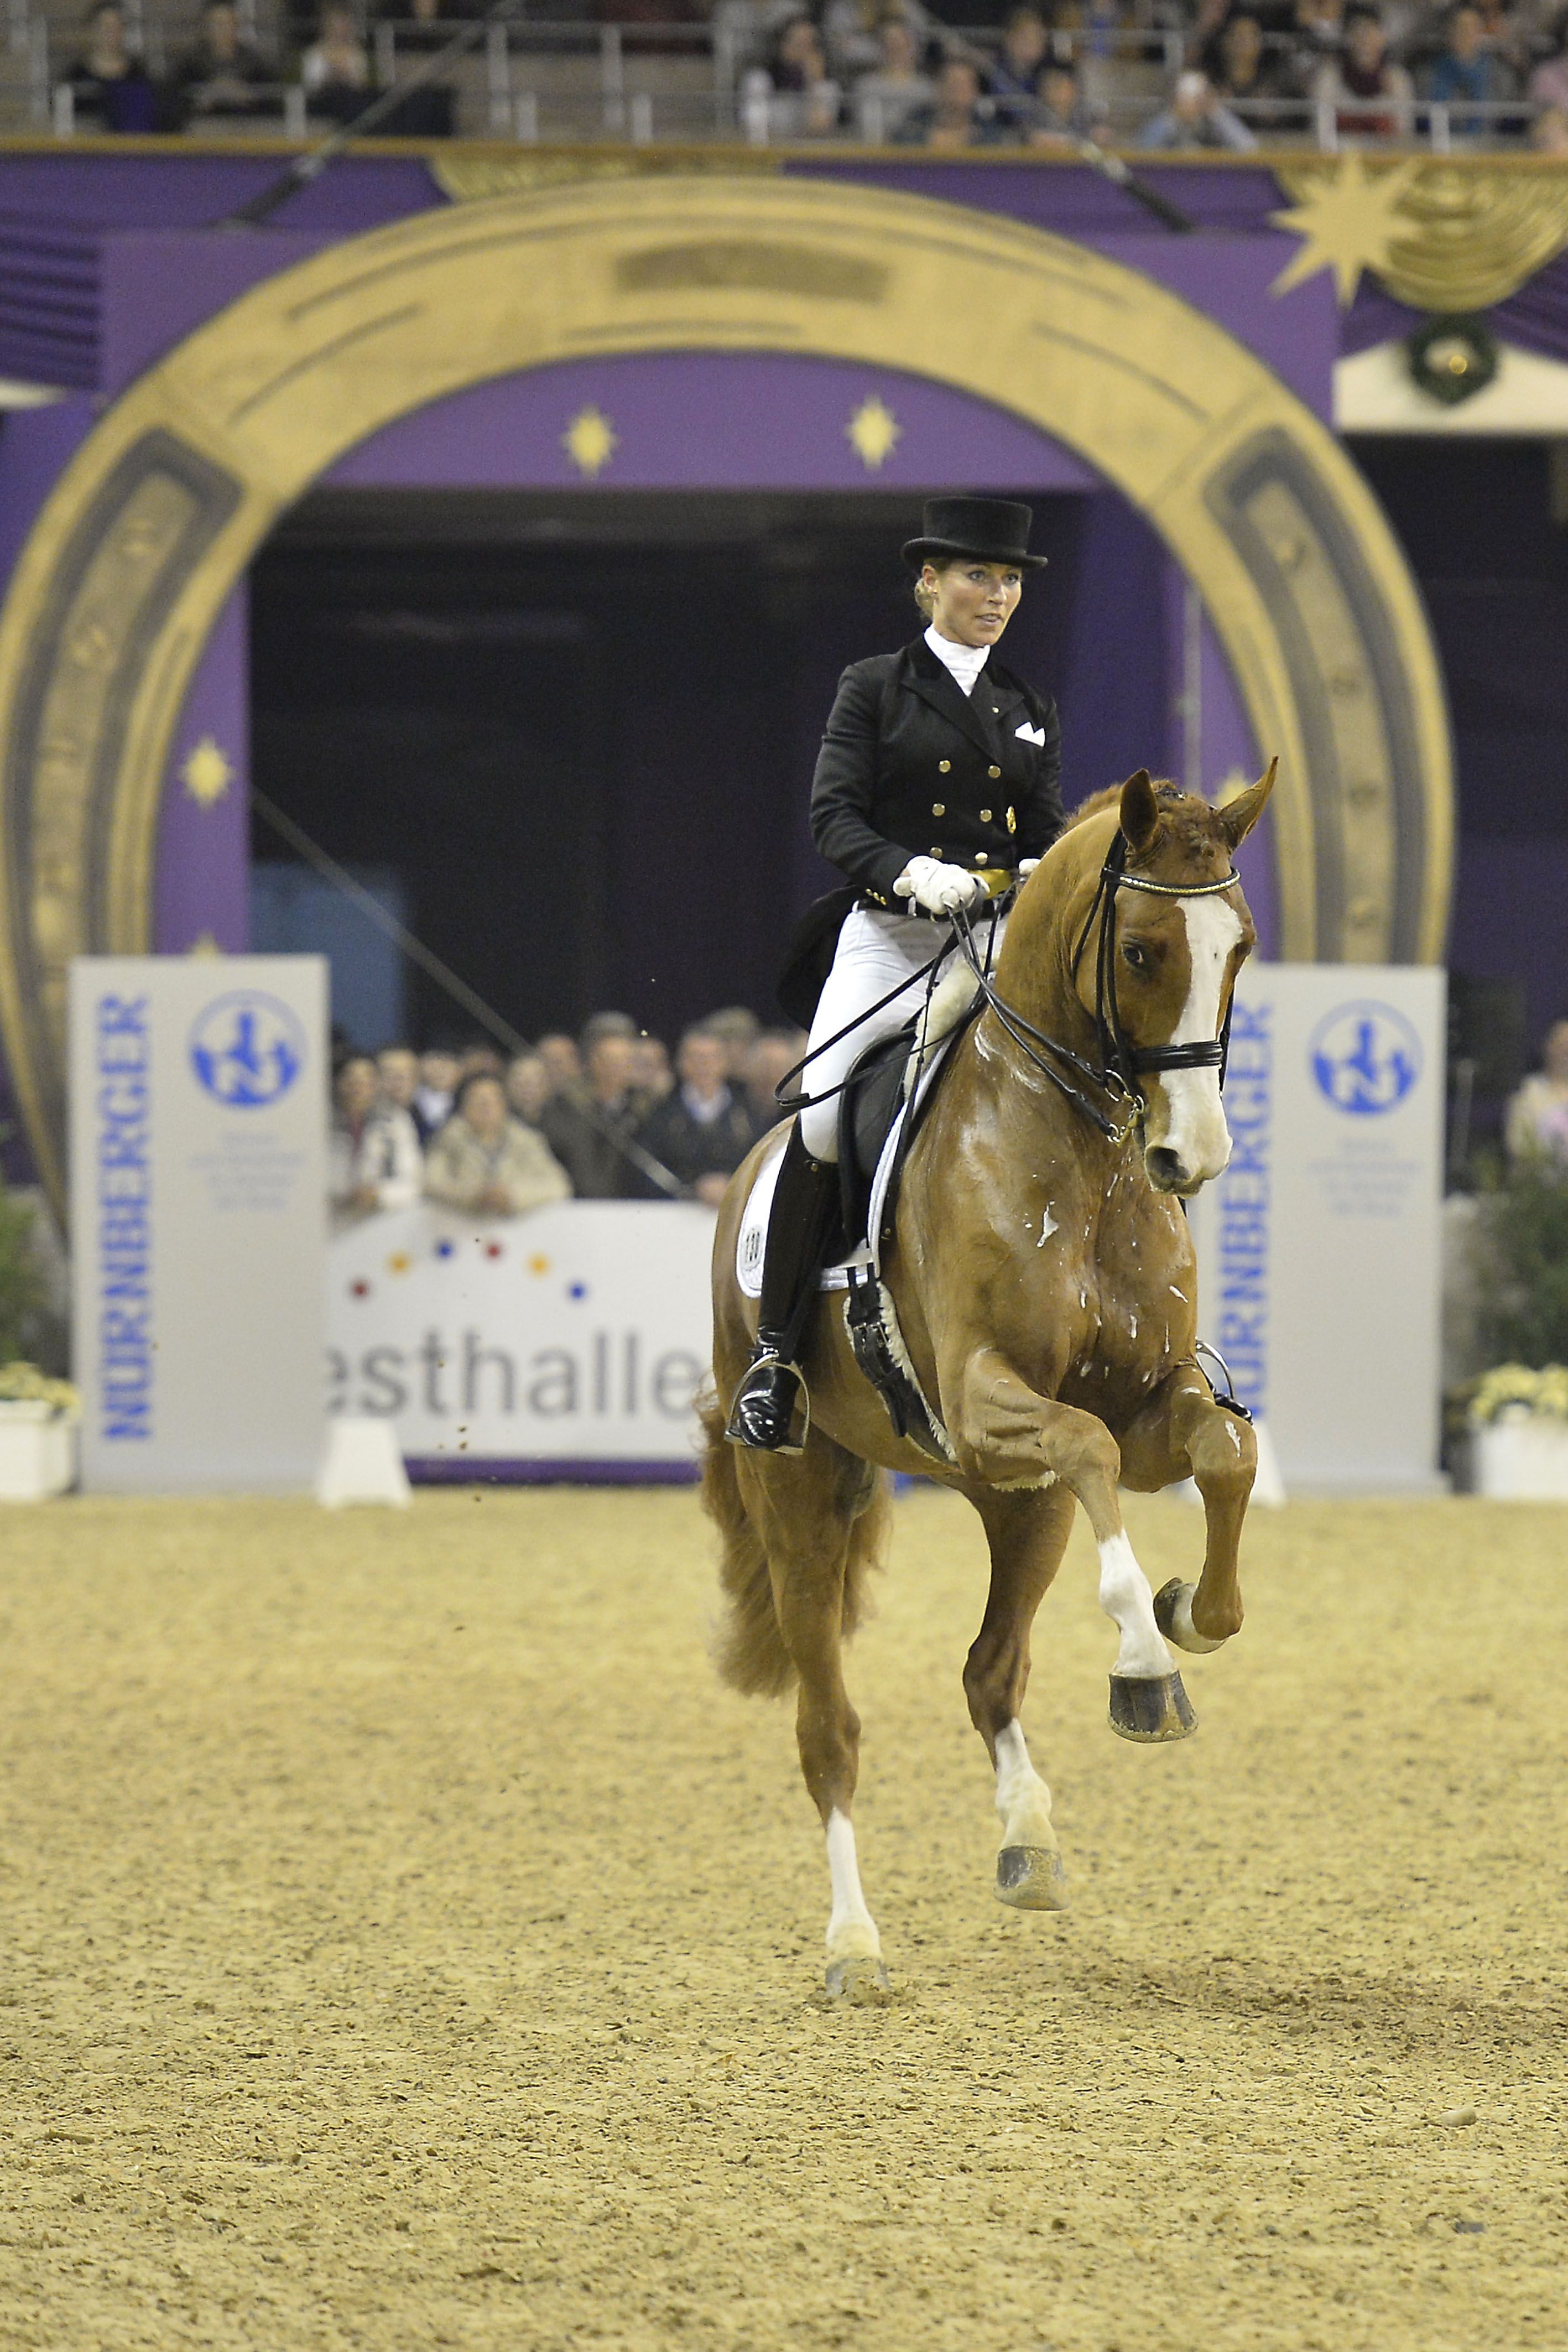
{"x": 1515, "y": 1393}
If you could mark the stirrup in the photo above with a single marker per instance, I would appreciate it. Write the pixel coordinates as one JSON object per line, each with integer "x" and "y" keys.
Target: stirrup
{"x": 762, "y": 1415}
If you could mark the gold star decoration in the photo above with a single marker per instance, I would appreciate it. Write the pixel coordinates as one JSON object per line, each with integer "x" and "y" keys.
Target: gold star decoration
{"x": 590, "y": 441}
{"x": 873, "y": 433}
{"x": 206, "y": 947}
{"x": 1347, "y": 225}
{"x": 206, "y": 775}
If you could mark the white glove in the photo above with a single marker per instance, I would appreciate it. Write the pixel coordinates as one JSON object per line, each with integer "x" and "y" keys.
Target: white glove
{"x": 940, "y": 889}
{"x": 1026, "y": 868}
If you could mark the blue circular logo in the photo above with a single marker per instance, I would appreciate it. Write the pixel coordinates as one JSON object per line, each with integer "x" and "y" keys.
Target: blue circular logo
{"x": 1366, "y": 1058}
{"x": 248, "y": 1049}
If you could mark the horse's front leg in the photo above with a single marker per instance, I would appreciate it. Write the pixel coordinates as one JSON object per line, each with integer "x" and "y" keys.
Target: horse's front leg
{"x": 818, "y": 1520}
{"x": 1006, "y": 1434}
{"x": 1027, "y": 1535}
{"x": 1183, "y": 1433}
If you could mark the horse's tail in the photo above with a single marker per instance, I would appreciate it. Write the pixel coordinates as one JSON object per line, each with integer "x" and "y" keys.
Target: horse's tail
{"x": 749, "y": 1650}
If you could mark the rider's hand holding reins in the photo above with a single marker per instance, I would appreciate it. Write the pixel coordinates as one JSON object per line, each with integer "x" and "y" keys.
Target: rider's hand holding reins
{"x": 940, "y": 889}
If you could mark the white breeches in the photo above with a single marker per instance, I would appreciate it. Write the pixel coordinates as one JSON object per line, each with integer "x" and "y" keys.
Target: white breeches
{"x": 876, "y": 952}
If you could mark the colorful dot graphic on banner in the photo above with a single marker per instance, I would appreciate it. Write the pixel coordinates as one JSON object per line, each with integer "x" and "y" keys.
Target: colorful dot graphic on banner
{"x": 539, "y": 1263}
{"x": 577, "y": 1290}
{"x": 399, "y": 1262}
{"x": 445, "y": 1249}
{"x": 494, "y": 1249}
{"x": 359, "y": 1289}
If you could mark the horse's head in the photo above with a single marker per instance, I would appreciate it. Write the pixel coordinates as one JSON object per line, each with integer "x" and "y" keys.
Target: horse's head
{"x": 1174, "y": 963}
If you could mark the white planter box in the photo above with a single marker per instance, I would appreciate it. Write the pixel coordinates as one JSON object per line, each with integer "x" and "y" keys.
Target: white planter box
{"x": 38, "y": 1452}
{"x": 1522, "y": 1459}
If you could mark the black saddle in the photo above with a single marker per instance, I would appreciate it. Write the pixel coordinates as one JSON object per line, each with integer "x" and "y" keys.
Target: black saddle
{"x": 870, "y": 1103}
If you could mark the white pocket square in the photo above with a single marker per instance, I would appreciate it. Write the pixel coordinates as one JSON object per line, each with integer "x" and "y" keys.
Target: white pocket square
{"x": 1027, "y": 734}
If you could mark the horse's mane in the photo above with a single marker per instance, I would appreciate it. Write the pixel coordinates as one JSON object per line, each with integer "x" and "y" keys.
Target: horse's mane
{"x": 1109, "y": 797}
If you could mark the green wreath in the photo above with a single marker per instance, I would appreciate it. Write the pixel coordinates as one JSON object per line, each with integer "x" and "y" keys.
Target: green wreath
{"x": 1452, "y": 359}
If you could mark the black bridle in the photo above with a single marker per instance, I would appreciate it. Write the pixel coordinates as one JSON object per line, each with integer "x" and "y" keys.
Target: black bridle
{"x": 1122, "y": 1062}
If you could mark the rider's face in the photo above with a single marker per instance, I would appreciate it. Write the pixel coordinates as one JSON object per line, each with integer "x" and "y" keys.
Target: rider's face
{"x": 973, "y": 602}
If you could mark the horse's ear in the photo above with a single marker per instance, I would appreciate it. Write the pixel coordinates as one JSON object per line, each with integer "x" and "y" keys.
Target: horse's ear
{"x": 1140, "y": 812}
{"x": 1239, "y": 816}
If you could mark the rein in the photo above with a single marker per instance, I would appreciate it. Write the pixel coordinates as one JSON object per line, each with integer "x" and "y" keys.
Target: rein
{"x": 1122, "y": 1064}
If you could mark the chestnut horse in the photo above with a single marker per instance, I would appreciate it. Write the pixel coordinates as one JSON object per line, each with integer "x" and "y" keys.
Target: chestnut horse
{"x": 1044, "y": 1283}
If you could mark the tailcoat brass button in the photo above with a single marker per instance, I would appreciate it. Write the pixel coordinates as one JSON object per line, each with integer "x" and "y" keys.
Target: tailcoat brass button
{"x": 993, "y": 772}
{"x": 980, "y": 858}
{"x": 944, "y": 767}
{"x": 938, "y": 808}
{"x": 985, "y": 816}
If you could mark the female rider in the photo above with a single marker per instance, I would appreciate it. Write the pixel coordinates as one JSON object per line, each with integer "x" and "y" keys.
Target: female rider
{"x": 936, "y": 788}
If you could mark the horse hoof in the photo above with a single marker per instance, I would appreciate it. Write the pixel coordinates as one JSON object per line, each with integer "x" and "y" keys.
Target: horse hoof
{"x": 1173, "y": 1615}
{"x": 861, "y": 1982}
{"x": 1031, "y": 1879}
{"x": 1150, "y": 1708}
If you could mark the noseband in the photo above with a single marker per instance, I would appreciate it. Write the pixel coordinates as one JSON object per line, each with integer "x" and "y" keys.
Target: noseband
{"x": 1122, "y": 1062}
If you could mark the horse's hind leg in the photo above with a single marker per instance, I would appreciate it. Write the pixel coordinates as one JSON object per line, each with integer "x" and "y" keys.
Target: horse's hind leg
{"x": 821, "y": 1518}
{"x": 1027, "y": 1534}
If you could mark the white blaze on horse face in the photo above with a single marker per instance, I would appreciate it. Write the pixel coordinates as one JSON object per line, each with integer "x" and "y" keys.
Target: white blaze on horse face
{"x": 1194, "y": 1127}
{"x": 1125, "y": 1595}
{"x": 1023, "y": 1801}
{"x": 851, "y": 1930}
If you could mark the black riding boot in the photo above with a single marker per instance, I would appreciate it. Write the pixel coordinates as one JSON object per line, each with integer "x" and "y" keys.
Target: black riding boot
{"x": 804, "y": 1201}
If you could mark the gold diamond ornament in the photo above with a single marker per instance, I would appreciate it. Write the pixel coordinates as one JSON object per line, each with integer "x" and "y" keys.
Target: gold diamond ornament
{"x": 206, "y": 775}
{"x": 873, "y": 433}
{"x": 590, "y": 441}
{"x": 1347, "y": 222}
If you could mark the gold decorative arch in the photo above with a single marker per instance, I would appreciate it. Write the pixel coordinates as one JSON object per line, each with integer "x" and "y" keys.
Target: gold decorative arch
{"x": 148, "y": 530}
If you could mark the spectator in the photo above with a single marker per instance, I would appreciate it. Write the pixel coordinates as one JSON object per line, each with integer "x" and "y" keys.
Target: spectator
{"x": 430, "y": 111}
{"x": 1014, "y": 71}
{"x": 852, "y": 33}
{"x": 398, "y": 1068}
{"x": 478, "y": 1055}
{"x": 108, "y": 84}
{"x": 705, "y": 1129}
{"x": 1062, "y": 116}
{"x": 528, "y": 1088}
{"x": 1369, "y": 93}
{"x": 1536, "y": 1125}
{"x": 373, "y": 1157}
{"x": 794, "y": 89}
{"x": 651, "y": 1071}
{"x": 608, "y": 1024}
{"x": 488, "y": 1164}
{"x": 738, "y": 1026}
{"x": 1549, "y": 133}
{"x": 1548, "y": 82}
{"x": 1465, "y": 69}
{"x": 583, "y": 1121}
{"x": 223, "y": 78}
{"x": 335, "y": 69}
{"x": 438, "y": 1075}
{"x": 958, "y": 114}
{"x": 1238, "y": 68}
{"x": 1195, "y": 118}
{"x": 560, "y": 1057}
{"x": 772, "y": 1058}
{"x": 1319, "y": 36}
{"x": 883, "y": 100}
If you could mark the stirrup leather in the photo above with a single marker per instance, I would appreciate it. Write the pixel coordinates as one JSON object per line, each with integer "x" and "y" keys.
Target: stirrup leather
{"x": 762, "y": 1415}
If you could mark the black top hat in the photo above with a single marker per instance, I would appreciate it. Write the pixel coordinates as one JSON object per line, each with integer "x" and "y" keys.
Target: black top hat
{"x": 996, "y": 529}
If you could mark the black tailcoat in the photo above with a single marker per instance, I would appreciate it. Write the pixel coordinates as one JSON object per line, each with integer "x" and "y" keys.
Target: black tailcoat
{"x": 911, "y": 765}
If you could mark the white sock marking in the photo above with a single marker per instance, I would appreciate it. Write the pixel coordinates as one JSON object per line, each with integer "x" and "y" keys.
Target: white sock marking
{"x": 851, "y": 1930}
{"x": 1197, "y": 1132}
{"x": 1125, "y": 1595}
{"x": 1184, "y": 1633}
{"x": 1023, "y": 1801}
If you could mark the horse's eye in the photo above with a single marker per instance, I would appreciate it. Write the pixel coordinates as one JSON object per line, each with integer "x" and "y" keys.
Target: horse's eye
{"x": 1136, "y": 956}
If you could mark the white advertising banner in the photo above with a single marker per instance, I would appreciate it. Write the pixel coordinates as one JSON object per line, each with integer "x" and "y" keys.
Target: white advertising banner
{"x": 198, "y": 1143}
{"x": 577, "y": 1335}
{"x": 1319, "y": 1249}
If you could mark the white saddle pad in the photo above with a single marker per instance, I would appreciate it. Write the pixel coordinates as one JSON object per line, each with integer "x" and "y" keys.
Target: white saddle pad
{"x": 752, "y": 1239}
